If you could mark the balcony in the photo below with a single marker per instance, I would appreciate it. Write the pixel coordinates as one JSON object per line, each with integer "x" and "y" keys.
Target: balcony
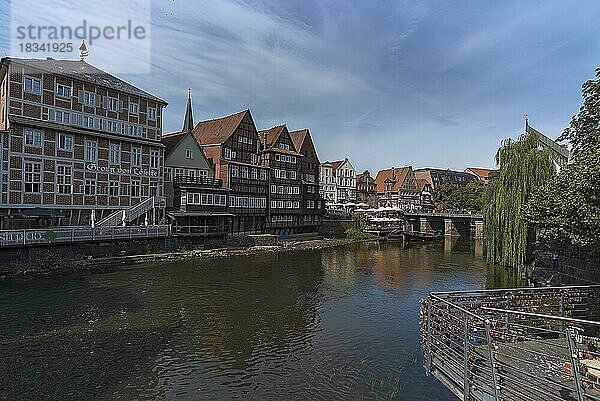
{"x": 202, "y": 182}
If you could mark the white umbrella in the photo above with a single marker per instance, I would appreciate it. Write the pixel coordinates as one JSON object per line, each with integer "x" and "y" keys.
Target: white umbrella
{"x": 93, "y": 218}
{"x": 124, "y": 218}
{"x": 146, "y": 220}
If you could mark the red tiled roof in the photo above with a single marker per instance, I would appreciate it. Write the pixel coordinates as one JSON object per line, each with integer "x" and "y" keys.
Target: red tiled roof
{"x": 336, "y": 164}
{"x": 171, "y": 140}
{"x": 298, "y": 137}
{"x": 218, "y": 130}
{"x": 424, "y": 175}
{"x": 272, "y": 134}
{"x": 396, "y": 174}
{"x": 480, "y": 172}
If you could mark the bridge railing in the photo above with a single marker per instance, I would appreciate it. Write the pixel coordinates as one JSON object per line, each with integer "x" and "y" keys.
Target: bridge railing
{"x": 521, "y": 344}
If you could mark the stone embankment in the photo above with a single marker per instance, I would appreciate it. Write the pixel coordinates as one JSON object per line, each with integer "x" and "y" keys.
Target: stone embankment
{"x": 105, "y": 263}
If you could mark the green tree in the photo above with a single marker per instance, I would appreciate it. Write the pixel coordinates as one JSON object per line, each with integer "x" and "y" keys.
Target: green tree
{"x": 569, "y": 205}
{"x": 444, "y": 195}
{"x": 523, "y": 168}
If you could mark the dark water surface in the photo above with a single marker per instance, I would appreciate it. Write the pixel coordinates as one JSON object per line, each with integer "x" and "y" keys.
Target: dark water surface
{"x": 337, "y": 324}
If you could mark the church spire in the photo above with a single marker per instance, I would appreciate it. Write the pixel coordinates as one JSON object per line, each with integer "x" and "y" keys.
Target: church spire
{"x": 188, "y": 120}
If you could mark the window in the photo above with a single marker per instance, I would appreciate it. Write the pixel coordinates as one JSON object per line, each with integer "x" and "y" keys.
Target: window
{"x": 273, "y": 189}
{"x": 154, "y": 158}
{"x": 281, "y": 189}
{"x": 33, "y": 176}
{"x": 114, "y": 155}
{"x": 136, "y": 188}
{"x": 91, "y": 150}
{"x": 64, "y": 179}
{"x": 232, "y": 201}
{"x": 111, "y": 126}
{"x": 254, "y": 173}
{"x": 179, "y": 172}
{"x": 253, "y": 158}
{"x": 280, "y": 204}
{"x": 134, "y": 108}
{"x": 203, "y": 173}
{"x": 33, "y": 85}
{"x": 168, "y": 174}
{"x": 296, "y": 205}
{"x": 191, "y": 172}
{"x": 263, "y": 175}
{"x": 189, "y": 154}
{"x": 296, "y": 190}
{"x": 229, "y": 154}
{"x": 62, "y": 116}
{"x": 65, "y": 142}
{"x": 33, "y": 137}
{"x": 277, "y": 156}
{"x": 136, "y": 157}
{"x": 113, "y": 188}
{"x": 63, "y": 91}
{"x": 284, "y": 146}
{"x": 133, "y": 130}
{"x": 235, "y": 171}
{"x": 89, "y": 187}
{"x": 89, "y": 99}
{"x": 152, "y": 113}
{"x": 244, "y": 172}
{"x": 112, "y": 104}
{"x": 274, "y": 204}
{"x": 88, "y": 122}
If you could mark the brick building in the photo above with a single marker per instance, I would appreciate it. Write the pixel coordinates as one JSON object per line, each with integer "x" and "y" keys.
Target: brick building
{"x": 232, "y": 144}
{"x": 312, "y": 204}
{"x": 76, "y": 139}
{"x": 397, "y": 187}
{"x": 285, "y": 163}
{"x": 366, "y": 189}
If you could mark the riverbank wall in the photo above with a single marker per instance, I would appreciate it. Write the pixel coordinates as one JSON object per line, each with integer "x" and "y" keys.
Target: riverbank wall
{"x": 52, "y": 261}
{"x": 576, "y": 265}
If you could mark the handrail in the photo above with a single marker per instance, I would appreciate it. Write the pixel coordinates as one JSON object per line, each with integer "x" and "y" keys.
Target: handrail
{"x": 459, "y": 308}
{"x": 549, "y": 317}
{"x": 534, "y": 289}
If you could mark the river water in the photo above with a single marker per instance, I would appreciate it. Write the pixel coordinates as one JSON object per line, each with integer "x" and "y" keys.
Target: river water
{"x": 334, "y": 324}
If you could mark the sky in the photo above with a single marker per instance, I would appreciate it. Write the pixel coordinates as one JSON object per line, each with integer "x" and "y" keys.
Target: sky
{"x": 425, "y": 83}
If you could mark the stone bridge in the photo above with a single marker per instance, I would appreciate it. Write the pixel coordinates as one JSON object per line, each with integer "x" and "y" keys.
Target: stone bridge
{"x": 451, "y": 224}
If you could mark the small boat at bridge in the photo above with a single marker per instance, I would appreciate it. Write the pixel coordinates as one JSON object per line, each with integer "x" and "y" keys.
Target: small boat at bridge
{"x": 422, "y": 236}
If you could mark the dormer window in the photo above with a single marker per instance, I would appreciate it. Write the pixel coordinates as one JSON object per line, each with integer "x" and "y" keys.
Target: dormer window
{"x": 189, "y": 154}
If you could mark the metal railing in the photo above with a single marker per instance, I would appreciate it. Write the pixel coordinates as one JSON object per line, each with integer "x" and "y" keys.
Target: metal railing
{"x": 63, "y": 235}
{"x": 518, "y": 344}
{"x": 199, "y": 181}
{"x": 132, "y": 213}
{"x": 201, "y": 230}
{"x": 448, "y": 214}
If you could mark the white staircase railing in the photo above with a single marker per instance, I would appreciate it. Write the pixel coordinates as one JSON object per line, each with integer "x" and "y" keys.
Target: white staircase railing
{"x": 116, "y": 218}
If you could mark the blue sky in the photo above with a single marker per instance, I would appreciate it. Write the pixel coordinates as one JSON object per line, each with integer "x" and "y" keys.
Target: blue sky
{"x": 386, "y": 83}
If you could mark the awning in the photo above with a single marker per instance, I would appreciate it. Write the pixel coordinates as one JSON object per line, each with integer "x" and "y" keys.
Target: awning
{"x": 37, "y": 213}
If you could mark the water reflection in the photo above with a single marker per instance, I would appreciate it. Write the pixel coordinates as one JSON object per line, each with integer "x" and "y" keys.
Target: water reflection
{"x": 335, "y": 324}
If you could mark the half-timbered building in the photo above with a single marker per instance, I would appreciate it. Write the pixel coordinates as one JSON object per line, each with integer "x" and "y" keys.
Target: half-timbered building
{"x": 285, "y": 163}
{"x": 77, "y": 144}
{"x": 312, "y": 204}
{"x": 232, "y": 144}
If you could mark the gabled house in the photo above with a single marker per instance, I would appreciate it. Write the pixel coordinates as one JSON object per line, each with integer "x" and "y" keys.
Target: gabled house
{"x": 397, "y": 187}
{"x": 425, "y": 185}
{"x": 341, "y": 175}
{"x": 285, "y": 163}
{"x": 312, "y": 204}
{"x": 327, "y": 187}
{"x": 366, "y": 188}
{"x": 197, "y": 203}
{"x": 232, "y": 144}
{"x": 559, "y": 154}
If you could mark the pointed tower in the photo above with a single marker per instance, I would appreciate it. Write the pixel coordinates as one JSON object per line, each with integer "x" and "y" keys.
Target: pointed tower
{"x": 188, "y": 120}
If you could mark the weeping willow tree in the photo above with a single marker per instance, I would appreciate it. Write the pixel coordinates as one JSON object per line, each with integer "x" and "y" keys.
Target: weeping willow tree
{"x": 523, "y": 167}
